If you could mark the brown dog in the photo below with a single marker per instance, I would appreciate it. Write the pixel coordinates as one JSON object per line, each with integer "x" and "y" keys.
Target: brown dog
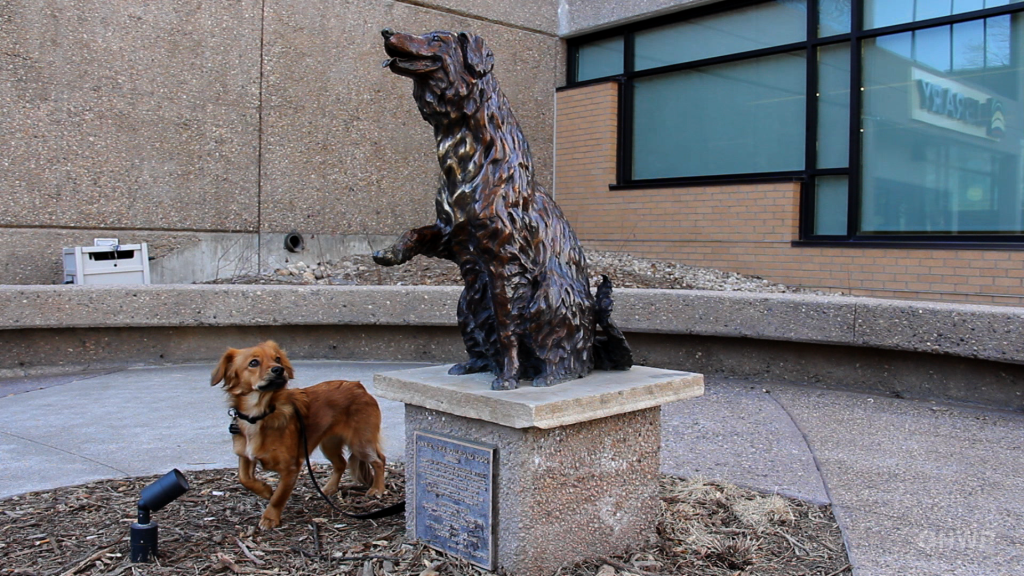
{"x": 526, "y": 311}
{"x": 337, "y": 414}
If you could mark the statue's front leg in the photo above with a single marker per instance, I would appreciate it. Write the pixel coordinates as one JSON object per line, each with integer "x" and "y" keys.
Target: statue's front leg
{"x": 428, "y": 241}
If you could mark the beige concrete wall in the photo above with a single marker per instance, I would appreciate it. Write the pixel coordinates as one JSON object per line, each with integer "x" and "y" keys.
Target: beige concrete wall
{"x": 120, "y": 114}
{"x": 169, "y": 122}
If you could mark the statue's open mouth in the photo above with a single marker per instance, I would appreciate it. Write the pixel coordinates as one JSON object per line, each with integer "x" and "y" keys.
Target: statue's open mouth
{"x": 411, "y": 64}
{"x": 402, "y": 58}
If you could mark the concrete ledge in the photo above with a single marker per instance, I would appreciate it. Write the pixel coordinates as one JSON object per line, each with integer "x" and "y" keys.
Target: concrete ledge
{"x": 961, "y": 330}
{"x": 599, "y": 395}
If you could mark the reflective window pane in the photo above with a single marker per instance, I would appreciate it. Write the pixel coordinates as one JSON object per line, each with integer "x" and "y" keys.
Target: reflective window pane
{"x": 880, "y": 13}
{"x": 941, "y": 148}
{"x": 961, "y": 6}
{"x": 736, "y": 118}
{"x": 831, "y": 202}
{"x": 599, "y": 59}
{"x": 751, "y": 28}
{"x": 834, "y": 106}
{"x": 833, "y": 17}
{"x": 931, "y": 47}
{"x": 997, "y": 41}
{"x": 969, "y": 45}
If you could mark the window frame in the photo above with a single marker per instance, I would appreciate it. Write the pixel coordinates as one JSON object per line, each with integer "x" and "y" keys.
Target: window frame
{"x": 809, "y": 175}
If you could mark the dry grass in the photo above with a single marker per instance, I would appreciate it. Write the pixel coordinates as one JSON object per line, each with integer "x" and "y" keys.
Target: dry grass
{"x": 706, "y": 529}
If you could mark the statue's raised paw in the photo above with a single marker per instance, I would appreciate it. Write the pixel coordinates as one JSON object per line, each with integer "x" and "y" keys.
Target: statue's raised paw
{"x": 388, "y": 257}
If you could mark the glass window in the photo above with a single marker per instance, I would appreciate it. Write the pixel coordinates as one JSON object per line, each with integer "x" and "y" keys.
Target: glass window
{"x": 737, "y": 118}
{"x": 833, "y": 17}
{"x": 831, "y": 200}
{"x": 880, "y": 13}
{"x": 751, "y": 28}
{"x": 941, "y": 147}
{"x": 599, "y": 59}
{"x": 969, "y": 45}
{"x": 834, "y": 106}
{"x": 931, "y": 47}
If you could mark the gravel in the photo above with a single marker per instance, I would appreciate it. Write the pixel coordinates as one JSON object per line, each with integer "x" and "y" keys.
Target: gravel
{"x": 625, "y": 271}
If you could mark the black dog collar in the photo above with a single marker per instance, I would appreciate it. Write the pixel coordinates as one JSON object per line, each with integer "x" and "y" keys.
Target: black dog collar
{"x": 251, "y": 419}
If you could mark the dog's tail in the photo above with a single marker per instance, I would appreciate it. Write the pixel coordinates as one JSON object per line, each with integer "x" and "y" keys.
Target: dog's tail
{"x": 361, "y": 464}
{"x": 362, "y": 471}
{"x": 611, "y": 351}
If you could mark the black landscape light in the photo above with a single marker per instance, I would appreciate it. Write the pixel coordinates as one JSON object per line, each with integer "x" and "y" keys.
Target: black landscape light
{"x": 151, "y": 499}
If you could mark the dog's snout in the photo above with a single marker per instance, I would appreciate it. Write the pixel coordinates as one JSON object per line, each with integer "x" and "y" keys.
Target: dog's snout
{"x": 277, "y": 371}
{"x": 387, "y": 33}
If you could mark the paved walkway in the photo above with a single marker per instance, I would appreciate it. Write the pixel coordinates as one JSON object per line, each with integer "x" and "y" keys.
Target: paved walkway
{"x": 919, "y": 488}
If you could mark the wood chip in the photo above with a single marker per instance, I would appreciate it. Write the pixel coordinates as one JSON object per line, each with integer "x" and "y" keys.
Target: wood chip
{"x": 82, "y": 529}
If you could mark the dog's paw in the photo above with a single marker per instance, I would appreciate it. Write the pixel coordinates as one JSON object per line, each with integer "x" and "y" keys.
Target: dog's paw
{"x": 374, "y": 492}
{"x": 264, "y": 491}
{"x": 505, "y": 384}
{"x": 469, "y": 367}
{"x": 270, "y": 519}
{"x": 388, "y": 257}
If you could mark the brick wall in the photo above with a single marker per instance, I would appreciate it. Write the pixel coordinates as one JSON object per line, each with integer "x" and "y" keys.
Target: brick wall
{"x": 746, "y": 228}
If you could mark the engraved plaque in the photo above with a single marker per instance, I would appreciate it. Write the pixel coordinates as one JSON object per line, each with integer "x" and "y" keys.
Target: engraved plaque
{"x": 454, "y": 496}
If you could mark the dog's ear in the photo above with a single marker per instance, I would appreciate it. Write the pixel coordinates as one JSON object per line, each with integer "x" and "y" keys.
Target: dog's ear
{"x": 287, "y": 366}
{"x": 478, "y": 57}
{"x": 221, "y": 371}
{"x": 284, "y": 359}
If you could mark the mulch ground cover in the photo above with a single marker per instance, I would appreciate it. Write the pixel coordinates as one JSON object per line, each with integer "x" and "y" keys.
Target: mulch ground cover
{"x": 705, "y": 529}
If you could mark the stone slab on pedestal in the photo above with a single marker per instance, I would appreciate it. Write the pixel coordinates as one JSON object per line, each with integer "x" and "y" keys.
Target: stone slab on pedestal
{"x": 601, "y": 394}
{"x": 577, "y": 463}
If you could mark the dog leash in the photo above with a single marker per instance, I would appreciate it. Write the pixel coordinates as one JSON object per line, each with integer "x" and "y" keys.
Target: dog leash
{"x": 387, "y": 511}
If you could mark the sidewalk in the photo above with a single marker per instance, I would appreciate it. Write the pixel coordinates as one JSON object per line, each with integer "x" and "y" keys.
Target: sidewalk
{"x": 919, "y": 488}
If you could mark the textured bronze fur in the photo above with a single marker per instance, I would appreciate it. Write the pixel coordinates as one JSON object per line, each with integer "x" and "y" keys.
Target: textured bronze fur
{"x": 526, "y": 311}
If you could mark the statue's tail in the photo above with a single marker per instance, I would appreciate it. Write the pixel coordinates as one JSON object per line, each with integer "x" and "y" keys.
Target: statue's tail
{"x": 611, "y": 352}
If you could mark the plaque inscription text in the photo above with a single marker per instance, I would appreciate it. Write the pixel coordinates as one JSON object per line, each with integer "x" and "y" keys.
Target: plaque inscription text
{"x": 454, "y": 496}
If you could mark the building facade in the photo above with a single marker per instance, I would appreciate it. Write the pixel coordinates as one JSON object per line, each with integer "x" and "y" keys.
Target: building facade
{"x": 864, "y": 146}
{"x": 870, "y": 147}
{"x": 212, "y": 129}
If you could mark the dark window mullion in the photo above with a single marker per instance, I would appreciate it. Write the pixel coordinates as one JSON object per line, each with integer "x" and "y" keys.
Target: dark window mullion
{"x": 570, "y": 73}
{"x": 807, "y": 189}
{"x": 624, "y": 170}
{"x": 853, "y": 181}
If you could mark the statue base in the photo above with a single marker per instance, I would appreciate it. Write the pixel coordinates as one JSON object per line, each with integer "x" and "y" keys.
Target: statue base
{"x": 533, "y": 479}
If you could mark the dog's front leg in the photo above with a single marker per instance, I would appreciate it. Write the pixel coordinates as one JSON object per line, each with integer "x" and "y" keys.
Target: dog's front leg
{"x": 247, "y": 476}
{"x": 272, "y": 515}
{"x": 428, "y": 241}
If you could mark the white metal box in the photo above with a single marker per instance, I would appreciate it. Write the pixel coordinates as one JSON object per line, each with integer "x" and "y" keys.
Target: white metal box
{"x": 124, "y": 264}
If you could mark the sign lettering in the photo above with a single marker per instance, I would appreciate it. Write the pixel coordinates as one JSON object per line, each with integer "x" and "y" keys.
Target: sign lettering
{"x": 454, "y": 496}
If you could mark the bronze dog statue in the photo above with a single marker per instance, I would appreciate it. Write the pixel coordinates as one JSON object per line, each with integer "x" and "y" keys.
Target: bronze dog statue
{"x": 526, "y": 311}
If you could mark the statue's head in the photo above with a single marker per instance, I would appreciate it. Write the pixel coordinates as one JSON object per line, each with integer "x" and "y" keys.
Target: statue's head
{"x": 444, "y": 65}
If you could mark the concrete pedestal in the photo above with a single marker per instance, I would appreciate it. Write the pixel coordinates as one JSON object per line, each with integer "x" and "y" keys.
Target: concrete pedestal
{"x": 576, "y": 464}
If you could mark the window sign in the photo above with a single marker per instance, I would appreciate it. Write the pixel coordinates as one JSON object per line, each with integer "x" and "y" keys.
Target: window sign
{"x": 941, "y": 148}
{"x": 954, "y": 106}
